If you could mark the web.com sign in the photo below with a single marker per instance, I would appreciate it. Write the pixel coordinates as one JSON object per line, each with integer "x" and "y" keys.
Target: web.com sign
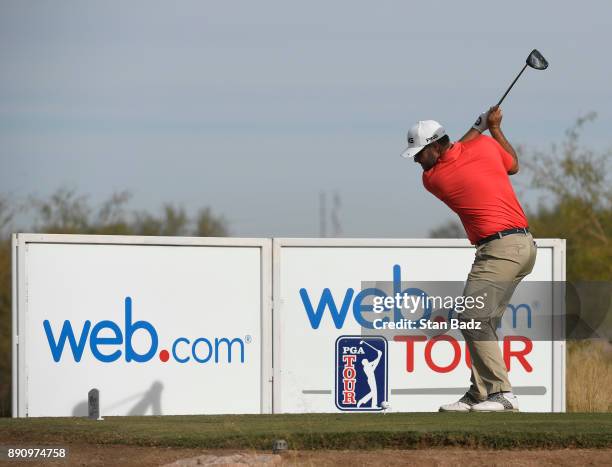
{"x": 108, "y": 343}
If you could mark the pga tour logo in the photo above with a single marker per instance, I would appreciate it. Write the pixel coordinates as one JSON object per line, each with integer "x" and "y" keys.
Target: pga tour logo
{"x": 361, "y": 373}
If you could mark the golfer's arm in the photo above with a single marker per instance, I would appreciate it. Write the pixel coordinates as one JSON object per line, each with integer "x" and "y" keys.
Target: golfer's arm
{"x": 471, "y": 134}
{"x": 376, "y": 360}
{"x": 498, "y": 135}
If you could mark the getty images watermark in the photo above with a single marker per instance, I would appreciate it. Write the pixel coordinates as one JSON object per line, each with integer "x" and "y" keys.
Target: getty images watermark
{"x": 534, "y": 310}
{"x": 410, "y": 303}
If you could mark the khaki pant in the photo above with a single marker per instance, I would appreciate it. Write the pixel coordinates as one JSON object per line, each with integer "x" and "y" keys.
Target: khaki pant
{"x": 498, "y": 268}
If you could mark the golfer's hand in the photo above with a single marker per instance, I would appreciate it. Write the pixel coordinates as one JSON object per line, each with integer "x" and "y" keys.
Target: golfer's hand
{"x": 495, "y": 117}
{"x": 481, "y": 122}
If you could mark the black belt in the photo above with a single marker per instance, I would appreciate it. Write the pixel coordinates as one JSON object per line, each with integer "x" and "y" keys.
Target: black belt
{"x": 503, "y": 233}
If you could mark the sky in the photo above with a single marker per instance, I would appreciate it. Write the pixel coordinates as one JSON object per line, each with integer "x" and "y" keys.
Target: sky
{"x": 255, "y": 108}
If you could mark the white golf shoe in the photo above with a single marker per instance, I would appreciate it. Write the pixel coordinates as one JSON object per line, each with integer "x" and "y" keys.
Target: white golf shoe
{"x": 462, "y": 405}
{"x": 498, "y": 402}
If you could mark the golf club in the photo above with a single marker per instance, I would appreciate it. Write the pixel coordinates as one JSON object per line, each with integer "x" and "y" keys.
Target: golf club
{"x": 536, "y": 61}
{"x": 364, "y": 342}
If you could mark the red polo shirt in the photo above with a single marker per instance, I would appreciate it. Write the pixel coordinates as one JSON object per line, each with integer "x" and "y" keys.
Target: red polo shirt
{"x": 472, "y": 179}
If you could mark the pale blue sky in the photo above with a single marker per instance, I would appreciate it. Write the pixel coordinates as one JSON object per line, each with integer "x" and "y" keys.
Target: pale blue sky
{"x": 253, "y": 108}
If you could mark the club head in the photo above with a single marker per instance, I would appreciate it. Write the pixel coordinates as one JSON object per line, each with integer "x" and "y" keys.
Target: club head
{"x": 360, "y": 342}
{"x": 536, "y": 60}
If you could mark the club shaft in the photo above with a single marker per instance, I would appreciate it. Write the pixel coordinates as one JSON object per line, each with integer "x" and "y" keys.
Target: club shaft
{"x": 508, "y": 90}
{"x": 370, "y": 346}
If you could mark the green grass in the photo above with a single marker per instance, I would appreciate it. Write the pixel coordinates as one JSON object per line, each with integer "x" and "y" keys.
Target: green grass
{"x": 324, "y": 431}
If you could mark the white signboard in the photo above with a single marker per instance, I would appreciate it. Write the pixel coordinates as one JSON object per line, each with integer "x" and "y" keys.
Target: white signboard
{"x": 159, "y": 325}
{"x": 324, "y": 288}
{"x": 169, "y": 326}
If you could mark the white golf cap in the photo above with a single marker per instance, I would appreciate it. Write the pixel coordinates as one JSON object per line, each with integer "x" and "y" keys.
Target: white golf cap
{"x": 421, "y": 134}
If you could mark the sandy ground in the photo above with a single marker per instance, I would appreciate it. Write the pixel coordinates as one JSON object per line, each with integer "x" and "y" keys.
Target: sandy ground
{"x": 143, "y": 456}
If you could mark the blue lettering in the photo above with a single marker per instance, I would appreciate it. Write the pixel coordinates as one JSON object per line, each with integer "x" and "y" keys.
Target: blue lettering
{"x": 397, "y": 289}
{"x": 207, "y": 342}
{"x": 174, "y": 355}
{"x": 95, "y": 341}
{"x": 359, "y": 308}
{"x": 327, "y": 300}
{"x": 66, "y": 333}
{"x": 339, "y": 317}
{"x": 130, "y": 353}
{"x": 515, "y": 309}
{"x": 100, "y": 337}
{"x": 229, "y": 348}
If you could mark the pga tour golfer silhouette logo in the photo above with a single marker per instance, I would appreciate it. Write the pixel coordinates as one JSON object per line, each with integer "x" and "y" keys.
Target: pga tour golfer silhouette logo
{"x": 361, "y": 373}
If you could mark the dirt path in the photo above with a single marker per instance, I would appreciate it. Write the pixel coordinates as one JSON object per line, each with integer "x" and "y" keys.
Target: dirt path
{"x": 452, "y": 457}
{"x": 92, "y": 455}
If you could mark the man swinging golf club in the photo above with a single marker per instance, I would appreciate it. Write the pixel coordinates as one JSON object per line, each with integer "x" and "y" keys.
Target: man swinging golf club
{"x": 471, "y": 177}
{"x": 369, "y": 367}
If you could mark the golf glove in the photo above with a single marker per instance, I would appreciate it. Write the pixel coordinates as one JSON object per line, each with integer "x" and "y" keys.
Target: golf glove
{"x": 481, "y": 122}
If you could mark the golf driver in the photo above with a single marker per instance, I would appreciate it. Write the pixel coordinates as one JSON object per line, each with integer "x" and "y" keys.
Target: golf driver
{"x": 536, "y": 61}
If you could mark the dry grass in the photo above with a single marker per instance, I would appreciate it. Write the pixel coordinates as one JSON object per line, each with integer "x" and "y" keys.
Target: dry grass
{"x": 589, "y": 376}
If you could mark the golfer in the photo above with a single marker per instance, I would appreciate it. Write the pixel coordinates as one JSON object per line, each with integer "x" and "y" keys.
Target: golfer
{"x": 369, "y": 368}
{"x": 471, "y": 177}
